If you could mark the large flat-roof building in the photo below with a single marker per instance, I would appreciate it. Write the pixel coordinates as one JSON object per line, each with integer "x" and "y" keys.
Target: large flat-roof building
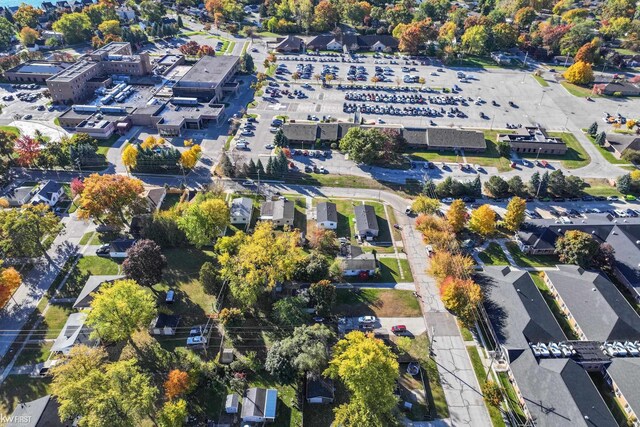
{"x": 209, "y": 78}
{"x": 35, "y": 71}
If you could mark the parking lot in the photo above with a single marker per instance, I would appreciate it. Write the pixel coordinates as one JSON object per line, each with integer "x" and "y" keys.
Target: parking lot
{"x": 26, "y": 101}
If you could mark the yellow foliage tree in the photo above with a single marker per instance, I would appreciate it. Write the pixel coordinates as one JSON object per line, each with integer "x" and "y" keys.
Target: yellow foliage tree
{"x": 10, "y": 279}
{"x": 445, "y": 264}
{"x": 457, "y": 215}
{"x": 130, "y": 156}
{"x": 426, "y": 205}
{"x": 635, "y": 175}
{"x": 579, "y": 73}
{"x": 461, "y": 297}
{"x": 514, "y": 217}
{"x": 483, "y": 220}
{"x": 151, "y": 142}
{"x": 189, "y": 158}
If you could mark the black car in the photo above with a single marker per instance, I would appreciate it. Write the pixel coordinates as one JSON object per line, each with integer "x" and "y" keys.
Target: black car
{"x": 103, "y": 250}
{"x": 631, "y": 213}
{"x": 599, "y": 198}
{"x": 587, "y": 198}
{"x": 468, "y": 199}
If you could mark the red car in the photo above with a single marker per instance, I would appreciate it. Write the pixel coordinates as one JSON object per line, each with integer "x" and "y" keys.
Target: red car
{"x": 399, "y": 329}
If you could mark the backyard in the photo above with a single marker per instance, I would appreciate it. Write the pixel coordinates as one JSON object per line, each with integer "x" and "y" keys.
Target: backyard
{"x": 377, "y": 302}
{"x": 493, "y": 255}
{"x": 527, "y": 260}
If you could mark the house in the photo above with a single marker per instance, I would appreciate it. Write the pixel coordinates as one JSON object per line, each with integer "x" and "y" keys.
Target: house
{"x": 327, "y": 215}
{"x": 364, "y": 264}
{"x": 280, "y": 212}
{"x": 91, "y": 286}
{"x": 164, "y": 324}
{"x": 42, "y": 412}
{"x": 241, "y": 210}
{"x": 74, "y": 332}
{"x": 154, "y": 198}
{"x": 19, "y": 196}
{"x": 366, "y": 222}
{"x": 49, "y": 192}
{"x": 319, "y": 389}
{"x": 620, "y": 88}
{"x": 620, "y": 143}
{"x": 118, "y": 248}
{"x": 289, "y": 44}
{"x": 232, "y": 403}
{"x": 126, "y": 14}
{"x": 553, "y": 391}
{"x": 534, "y": 140}
{"x": 259, "y": 405}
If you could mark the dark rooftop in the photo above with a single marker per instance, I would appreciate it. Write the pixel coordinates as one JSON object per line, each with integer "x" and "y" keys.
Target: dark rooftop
{"x": 208, "y": 72}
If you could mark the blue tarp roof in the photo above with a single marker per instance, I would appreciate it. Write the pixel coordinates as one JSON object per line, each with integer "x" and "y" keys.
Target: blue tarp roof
{"x": 270, "y": 403}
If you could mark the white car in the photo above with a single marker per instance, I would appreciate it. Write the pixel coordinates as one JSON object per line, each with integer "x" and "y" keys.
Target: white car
{"x": 269, "y": 146}
{"x": 273, "y": 129}
{"x": 367, "y": 320}
{"x": 447, "y": 200}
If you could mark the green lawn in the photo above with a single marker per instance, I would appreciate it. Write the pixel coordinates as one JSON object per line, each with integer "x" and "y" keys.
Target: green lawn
{"x": 350, "y": 181}
{"x": 541, "y": 81}
{"x": 377, "y": 302}
{"x": 54, "y": 319}
{"x": 494, "y": 413}
{"x": 86, "y": 266}
{"x": 526, "y": 260}
{"x": 95, "y": 238}
{"x": 479, "y": 62}
{"x": 554, "y": 307}
{"x": 230, "y": 48}
{"x": 21, "y": 388}
{"x": 493, "y": 255}
{"x": 575, "y": 157}
{"x": 105, "y": 144}
{"x": 607, "y": 153}
{"x": 11, "y": 129}
{"x": 390, "y": 273}
{"x": 514, "y": 402}
{"x": 579, "y": 91}
{"x": 98, "y": 266}
{"x": 34, "y": 353}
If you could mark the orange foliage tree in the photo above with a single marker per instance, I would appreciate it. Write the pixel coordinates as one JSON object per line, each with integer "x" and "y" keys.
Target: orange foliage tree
{"x": 10, "y": 279}
{"x": 177, "y": 384}
{"x": 111, "y": 199}
{"x": 461, "y": 297}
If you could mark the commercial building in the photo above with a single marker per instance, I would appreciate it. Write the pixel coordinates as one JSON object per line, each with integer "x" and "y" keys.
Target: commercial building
{"x": 619, "y": 143}
{"x": 534, "y": 140}
{"x": 35, "y": 71}
{"x": 209, "y": 79}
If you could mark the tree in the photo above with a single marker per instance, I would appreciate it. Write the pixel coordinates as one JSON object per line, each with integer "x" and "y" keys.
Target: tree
{"x": 426, "y": 205}
{"x": 102, "y": 394}
{"x": 27, "y": 16}
{"x": 7, "y": 141}
{"x": 119, "y": 309}
{"x": 173, "y": 413}
{"x": 475, "y": 39}
{"x": 10, "y": 280}
{"x": 247, "y": 66}
{"x": 576, "y": 247}
{"x": 461, "y": 297}
{"x": 253, "y": 264}
{"x": 7, "y": 31}
{"x": 605, "y": 257}
{"x": 593, "y": 129}
{"x": 514, "y": 217}
{"x": 75, "y": 27}
{"x": 497, "y": 186}
{"x": 130, "y": 157}
{"x": 601, "y": 138}
{"x": 324, "y": 241}
{"x": 312, "y": 268}
{"x": 504, "y": 148}
{"x": 323, "y": 296}
{"x": 151, "y": 11}
{"x": 279, "y": 139}
{"x": 557, "y": 183}
{"x": 204, "y": 221}
{"x": 369, "y": 370}
{"x": 505, "y": 36}
{"x": 544, "y": 182}
{"x": 226, "y": 167}
{"x": 483, "y": 220}
{"x": 525, "y": 16}
{"x": 22, "y": 230}
{"x": 623, "y": 184}
{"x": 28, "y": 36}
{"x": 144, "y": 263}
{"x": 210, "y": 278}
{"x": 110, "y": 198}
{"x": 573, "y": 186}
{"x": 326, "y": 16}
{"x": 457, "y": 215}
{"x": 587, "y": 53}
{"x": 363, "y": 145}
{"x": 492, "y": 393}
{"x": 516, "y": 186}
{"x": 27, "y": 149}
{"x": 230, "y": 317}
{"x": 579, "y": 73}
{"x": 189, "y": 158}
{"x": 444, "y": 264}
{"x": 111, "y": 26}
{"x": 206, "y": 50}
{"x": 178, "y": 383}
{"x": 290, "y": 312}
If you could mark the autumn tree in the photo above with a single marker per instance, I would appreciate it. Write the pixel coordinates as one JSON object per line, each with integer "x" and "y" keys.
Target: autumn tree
{"x": 587, "y": 53}
{"x": 475, "y": 39}
{"x": 483, "y": 220}
{"x": 7, "y": 142}
{"x": 323, "y": 240}
{"x": 230, "y": 316}
{"x": 173, "y": 413}
{"x": 579, "y": 73}
{"x": 204, "y": 220}
{"x": 445, "y": 264}
{"x": 22, "y": 231}
{"x": 10, "y": 280}
{"x": 76, "y": 186}
{"x": 130, "y": 157}
{"x": 27, "y": 149}
{"x": 28, "y": 36}
{"x": 425, "y": 205}
{"x": 144, "y": 263}
{"x": 457, "y": 215}
{"x": 461, "y": 297}
{"x": 119, "y": 309}
{"x": 189, "y": 158}
{"x": 369, "y": 370}
{"x": 27, "y": 16}
{"x": 177, "y": 384}
{"x": 514, "y": 217}
{"x": 111, "y": 199}
{"x": 576, "y": 247}
{"x": 492, "y": 393}
{"x": 326, "y": 16}
{"x": 152, "y": 141}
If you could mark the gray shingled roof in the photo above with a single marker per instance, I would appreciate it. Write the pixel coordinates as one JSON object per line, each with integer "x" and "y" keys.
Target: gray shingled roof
{"x": 92, "y": 285}
{"x": 365, "y": 218}
{"x": 455, "y": 138}
{"x": 42, "y": 412}
{"x": 595, "y": 303}
{"x": 625, "y": 372}
{"x": 301, "y": 131}
{"x": 365, "y": 262}
{"x": 326, "y": 211}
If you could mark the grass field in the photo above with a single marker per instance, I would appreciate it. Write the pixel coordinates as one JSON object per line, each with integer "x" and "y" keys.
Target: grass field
{"x": 105, "y": 144}
{"x": 607, "y": 153}
{"x": 526, "y": 260}
{"x": 476, "y": 362}
{"x": 11, "y": 129}
{"x": 493, "y": 255}
{"x": 377, "y": 302}
{"x": 579, "y": 91}
{"x": 541, "y": 81}
{"x": 390, "y": 273}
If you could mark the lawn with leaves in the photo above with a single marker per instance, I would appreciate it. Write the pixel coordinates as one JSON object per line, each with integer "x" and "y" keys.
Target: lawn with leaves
{"x": 493, "y": 255}
{"x": 528, "y": 260}
{"x": 377, "y": 302}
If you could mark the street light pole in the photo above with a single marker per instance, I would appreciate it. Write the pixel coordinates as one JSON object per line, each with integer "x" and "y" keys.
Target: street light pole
{"x": 538, "y": 155}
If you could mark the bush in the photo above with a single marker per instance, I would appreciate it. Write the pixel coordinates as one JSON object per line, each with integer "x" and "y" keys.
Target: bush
{"x": 617, "y": 94}
{"x": 334, "y": 146}
{"x": 230, "y": 316}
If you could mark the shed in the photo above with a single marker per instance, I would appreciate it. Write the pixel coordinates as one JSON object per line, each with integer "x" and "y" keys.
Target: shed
{"x": 232, "y": 404}
{"x": 319, "y": 389}
{"x": 164, "y": 324}
{"x": 227, "y": 356}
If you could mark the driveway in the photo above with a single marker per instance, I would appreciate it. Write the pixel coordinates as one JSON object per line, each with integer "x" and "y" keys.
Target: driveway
{"x": 53, "y": 132}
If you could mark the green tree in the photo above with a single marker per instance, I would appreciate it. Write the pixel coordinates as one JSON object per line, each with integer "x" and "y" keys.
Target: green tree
{"x": 119, "y": 309}
{"x": 173, "y": 413}
{"x": 514, "y": 217}
{"x": 497, "y": 186}
{"x": 22, "y": 230}
{"x": 557, "y": 183}
{"x": 516, "y": 186}
{"x": 593, "y": 129}
{"x": 601, "y": 138}
{"x": 544, "y": 183}
{"x": 75, "y": 27}
{"x": 504, "y": 148}
{"x": 279, "y": 139}
{"x": 226, "y": 167}
{"x": 247, "y": 66}
{"x": 577, "y": 247}
{"x": 323, "y": 296}
{"x": 623, "y": 184}
{"x": 210, "y": 277}
{"x": 475, "y": 39}
{"x": 426, "y": 205}
{"x": 204, "y": 221}
{"x": 369, "y": 371}
{"x": 151, "y": 11}
{"x": 7, "y": 31}
{"x": 363, "y": 145}
{"x": 505, "y": 36}
{"x": 289, "y": 312}
{"x": 573, "y": 186}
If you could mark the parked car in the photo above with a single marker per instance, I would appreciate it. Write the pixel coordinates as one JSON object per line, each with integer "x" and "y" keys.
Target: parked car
{"x": 367, "y": 320}
{"x": 612, "y": 198}
{"x": 103, "y": 250}
{"x": 171, "y": 297}
{"x": 399, "y": 329}
{"x": 196, "y": 341}
{"x": 447, "y": 200}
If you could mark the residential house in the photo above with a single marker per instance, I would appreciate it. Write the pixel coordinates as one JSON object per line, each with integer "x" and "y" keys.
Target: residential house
{"x": 126, "y": 14}
{"x": 259, "y": 405}
{"x": 620, "y": 88}
{"x": 74, "y": 332}
{"x": 280, "y": 212}
{"x": 49, "y": 192}
{"x": 327, "y": 215}
{"x": 619, "y": 143}
{"x": 366, "y": 222}
{"x": 553, "y": 391}
{"x": 364, "y": 264}
{"x": 241, "y": 210}
{"x": 19, "y": 196}
{"x": 164, "y": 324}
{"x": 118, "y": 248}
{"x": 319, "y": 389}
{"x": 42, "y": 412}
{"x": 289, "y": 44}
{"x": 154, "y": 198}
{"x": 534, "y": 140}
{"x": 91, "y": 286}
